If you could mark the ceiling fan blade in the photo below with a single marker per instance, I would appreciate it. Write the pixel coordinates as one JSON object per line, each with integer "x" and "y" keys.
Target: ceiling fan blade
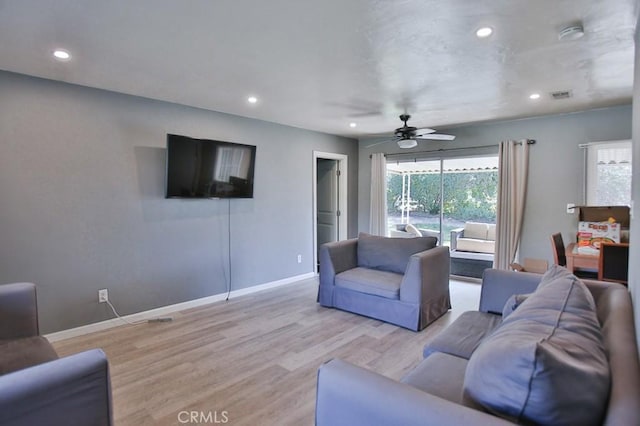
{"x": 424, "y": 131}
{"x": 437, "y": 136}
{"x": 380, "y": 143}
{"x": 365, "y": 114}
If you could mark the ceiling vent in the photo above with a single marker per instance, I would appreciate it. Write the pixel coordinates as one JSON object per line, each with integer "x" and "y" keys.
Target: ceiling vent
{"x": 561, "y": 94}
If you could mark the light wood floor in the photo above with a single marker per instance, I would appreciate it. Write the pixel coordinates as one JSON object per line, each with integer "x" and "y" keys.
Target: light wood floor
{"x": 254, "y": 357}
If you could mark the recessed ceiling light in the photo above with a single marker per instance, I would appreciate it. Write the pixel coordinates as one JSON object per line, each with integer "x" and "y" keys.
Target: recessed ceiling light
{"x": 61, "y": 54}
{"x": 484, "y": 32}
{"x": 252, "y": 99}
{"x": 534, "y": 96}
{"x": 352, "y": 125}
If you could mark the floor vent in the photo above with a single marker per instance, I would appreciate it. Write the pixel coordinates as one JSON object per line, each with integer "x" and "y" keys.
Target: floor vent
{"x": 561, "y": 94}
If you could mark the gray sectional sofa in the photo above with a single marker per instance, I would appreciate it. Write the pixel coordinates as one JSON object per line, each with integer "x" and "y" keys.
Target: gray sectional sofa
{"x": 403, "y": 281}
{"x": 541, "y": 350}
{"x": 37, "y": 387}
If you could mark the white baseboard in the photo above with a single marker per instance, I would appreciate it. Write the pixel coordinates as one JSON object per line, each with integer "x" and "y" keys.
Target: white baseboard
{"x": 164, "y": 310}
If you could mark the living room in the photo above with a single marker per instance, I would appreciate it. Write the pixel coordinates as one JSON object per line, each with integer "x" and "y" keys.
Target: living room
{"x": 82, "y": 176}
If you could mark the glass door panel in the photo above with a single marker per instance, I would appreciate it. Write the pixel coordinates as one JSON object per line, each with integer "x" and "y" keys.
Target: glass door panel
{"x": 414, "y": 197}
{"x": 470, "y": 194}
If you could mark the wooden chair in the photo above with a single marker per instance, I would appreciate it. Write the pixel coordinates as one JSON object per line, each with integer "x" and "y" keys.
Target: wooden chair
{"x": 614, "y": 262}
{"x": 557, "y": 244}
{"x": 560, "y": 258}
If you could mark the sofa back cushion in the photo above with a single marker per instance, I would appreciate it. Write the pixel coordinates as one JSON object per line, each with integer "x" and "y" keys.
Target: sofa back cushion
{"x": 546, "y": 362}
{"x": 390, "y": 254}
{"x": 475, "y": 230}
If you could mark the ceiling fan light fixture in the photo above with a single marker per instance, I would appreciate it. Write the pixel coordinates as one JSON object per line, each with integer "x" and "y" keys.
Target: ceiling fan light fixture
{"x": 353, "y": 125}
{"x": 572, "y": 32}
{"x": 407, "y": 143}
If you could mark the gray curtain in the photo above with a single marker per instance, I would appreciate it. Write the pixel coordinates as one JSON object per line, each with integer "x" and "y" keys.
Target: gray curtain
{"x": 378, "y": 206}
{"x": 512, "y": 192}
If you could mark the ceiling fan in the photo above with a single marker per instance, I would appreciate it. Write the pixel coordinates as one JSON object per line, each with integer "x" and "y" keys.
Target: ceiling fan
{"x": 407, "y": 136}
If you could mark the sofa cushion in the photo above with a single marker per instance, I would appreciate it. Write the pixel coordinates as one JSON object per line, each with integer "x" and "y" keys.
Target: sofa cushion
{"x": 546, "y": 362}
{"x": 476, "y": 245}
{"x": 475, "y": 230}
{"x": 512, "y": 304}
{"x": 390, "y": 254}
{"x": 463, "y": 336}
{"x": 17, "y": 354}
{"x": 370, "y": 281}
{"x": 440, "y": 375}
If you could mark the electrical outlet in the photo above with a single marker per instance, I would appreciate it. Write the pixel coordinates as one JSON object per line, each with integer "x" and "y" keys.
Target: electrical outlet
{"x": 103, "y": 295}
{"x": 571, "y": 208}
{"x": 299, "y": 258}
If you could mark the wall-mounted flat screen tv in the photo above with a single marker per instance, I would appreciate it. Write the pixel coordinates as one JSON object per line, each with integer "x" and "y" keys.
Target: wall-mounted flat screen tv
{"x": 204, "y": 168}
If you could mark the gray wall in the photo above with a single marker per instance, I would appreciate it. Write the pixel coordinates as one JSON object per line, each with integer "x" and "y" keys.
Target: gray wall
{"x": 556, "y": 166}
{"x": 83, "y": 208}
{"x": 634, "y": 249}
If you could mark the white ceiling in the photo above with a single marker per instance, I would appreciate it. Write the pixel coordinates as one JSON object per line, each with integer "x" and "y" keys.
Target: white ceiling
{"x": 321, "y": 64}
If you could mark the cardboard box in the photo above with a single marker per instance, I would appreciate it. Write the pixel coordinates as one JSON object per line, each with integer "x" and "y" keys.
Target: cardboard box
{"x": 621, "y": 214}
{"x": 592, "y": 234}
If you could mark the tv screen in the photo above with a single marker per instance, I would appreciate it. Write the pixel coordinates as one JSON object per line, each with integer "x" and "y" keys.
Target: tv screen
{"x": 203, "y": 168}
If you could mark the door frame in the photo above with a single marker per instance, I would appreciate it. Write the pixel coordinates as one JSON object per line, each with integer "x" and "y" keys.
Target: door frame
{"x": 343, "y": 161}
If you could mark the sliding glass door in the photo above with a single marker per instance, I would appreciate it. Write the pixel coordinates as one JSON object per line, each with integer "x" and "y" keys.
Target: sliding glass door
{"x": 440, "y": 195}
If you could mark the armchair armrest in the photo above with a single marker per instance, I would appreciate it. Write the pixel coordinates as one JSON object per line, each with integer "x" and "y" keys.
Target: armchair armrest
{"x": 18, "y": 311}
{"x": 335, "y": 257}
{"x": 74, "y": 390}
{"x": 426, "y": 284}
{"x": 348, "y": 395}
{"x": 340, "y": 255}
{"x": 455, "y": 234}
{"x": 498, "y": 286}
{"x": 427, "y": 274}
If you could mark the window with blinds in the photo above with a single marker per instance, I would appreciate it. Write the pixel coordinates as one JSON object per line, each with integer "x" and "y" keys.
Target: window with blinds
{"x": 608, "y": 180}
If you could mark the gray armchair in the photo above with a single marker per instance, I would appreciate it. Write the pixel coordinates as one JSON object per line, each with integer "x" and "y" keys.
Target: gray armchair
{"x": 35, "y": 386}
{"x": 403, "y": 281}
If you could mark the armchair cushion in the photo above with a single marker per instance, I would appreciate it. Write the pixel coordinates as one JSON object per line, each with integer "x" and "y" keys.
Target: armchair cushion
{"x": 363, "y": 280}
{"x": 17, "y": 354}
{"x": 390, "y": 254}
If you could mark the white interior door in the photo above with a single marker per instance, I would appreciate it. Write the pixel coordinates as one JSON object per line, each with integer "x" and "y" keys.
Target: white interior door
{"x": 327, "y": 201}
{"x": 330, "y": 190}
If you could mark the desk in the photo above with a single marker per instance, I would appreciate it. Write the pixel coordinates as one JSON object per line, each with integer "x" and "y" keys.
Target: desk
{"x": 579, "y": 260}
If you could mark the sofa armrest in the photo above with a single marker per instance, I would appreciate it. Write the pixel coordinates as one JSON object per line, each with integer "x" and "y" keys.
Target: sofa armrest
{"x": 427, "y": 275}
{"x": 455, "y": 234}
{"x": 18, "y": 311}
{"x": 351, "y": 396}
{"x": 74, "y": 390}
{"x": 499, "y": 285}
